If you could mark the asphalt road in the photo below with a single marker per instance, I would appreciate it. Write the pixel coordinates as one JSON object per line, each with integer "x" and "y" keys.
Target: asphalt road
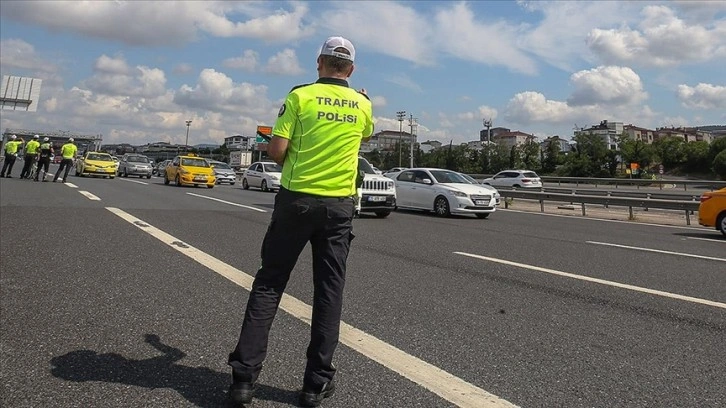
{"x": 114, "y": 294}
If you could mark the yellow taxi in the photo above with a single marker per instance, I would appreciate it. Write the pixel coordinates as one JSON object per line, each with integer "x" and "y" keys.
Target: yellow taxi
{"x": 712, "y": 210}
{"x": 190, "y": 169}
{"x": 96, "y": 164}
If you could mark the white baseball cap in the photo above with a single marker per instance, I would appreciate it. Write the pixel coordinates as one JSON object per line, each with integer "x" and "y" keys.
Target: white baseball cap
{"x": 332, "y": 43}
{"x": 70, "y": 139}
{"x": 45, "y": 139}
{"x": 36, "y": 137}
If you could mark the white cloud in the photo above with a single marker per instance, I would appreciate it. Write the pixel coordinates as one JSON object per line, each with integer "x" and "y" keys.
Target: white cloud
{"x": 378, "y": 101}
{"x": 216, "y": 91}
{"x": 284, "y": 63}
{"x": 110, "y": 65}
{"x": 182, "y": 68}
{"x": 662, "y": 40}
{"x": 161, "y": 22}
{"x": 703, "y": 96}
{"x": 483, "y": 112}
{"x": 404, "y": 81}
{"x": 113, "y": 76}
{"x": 404, "y": 33}
{"x": 247, "y": 62}
{"x": 15, "y": 53}
{"x": 532, "y": 107}
{"x": 606, "y": 85}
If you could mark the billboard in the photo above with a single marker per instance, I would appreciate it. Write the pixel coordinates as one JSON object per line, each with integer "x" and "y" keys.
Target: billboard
{"x": 20, "y": 93}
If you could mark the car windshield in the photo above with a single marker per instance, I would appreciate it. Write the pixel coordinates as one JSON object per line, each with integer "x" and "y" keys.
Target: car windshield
{"x": 138, "y": 159}
{"x": 469, "y": 178}
{"x": 220, "y": 165}
{"x": 365, "y": 166}
{"x": 192, "y": 162}
{"x": 529, "y": 174}
{"x": 447, "y": 177}
{"x": 272, "y": 168}
{"x": 99, "y": 157}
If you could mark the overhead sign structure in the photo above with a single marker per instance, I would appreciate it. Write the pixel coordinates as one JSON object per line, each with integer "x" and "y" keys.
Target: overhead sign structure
{"x": 264, "y": 134}
{"x": 20, "y": 93}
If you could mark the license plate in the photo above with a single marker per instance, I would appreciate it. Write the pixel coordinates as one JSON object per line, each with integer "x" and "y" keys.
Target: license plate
{"x": 200, "y": 179}
{"x": 481, "y": 202}
{"x": 377, "y": 198}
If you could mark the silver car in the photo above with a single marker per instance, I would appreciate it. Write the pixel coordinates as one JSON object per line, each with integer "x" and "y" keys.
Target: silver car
{"x": 223, "y": 172}
{"x": 134, "y": 165}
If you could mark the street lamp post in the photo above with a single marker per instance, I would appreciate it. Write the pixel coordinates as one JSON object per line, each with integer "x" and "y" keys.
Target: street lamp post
{"x": 186, "y": 144}
{"x": 400, "y": 115}
{"x": 488, "y": 125}
{"x": 413, "y": 124}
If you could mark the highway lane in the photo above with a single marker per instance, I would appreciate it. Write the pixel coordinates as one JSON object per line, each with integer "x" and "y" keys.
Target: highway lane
{"x": 558, "y": 342}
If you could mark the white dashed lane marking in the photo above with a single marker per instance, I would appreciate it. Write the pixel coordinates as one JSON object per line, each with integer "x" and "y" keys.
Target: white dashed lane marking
{"x": 228, "y": 202}
{"x": 600, "y": 281}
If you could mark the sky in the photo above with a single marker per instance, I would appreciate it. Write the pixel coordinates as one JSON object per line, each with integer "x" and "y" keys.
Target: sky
{"x": 136, "y": 71}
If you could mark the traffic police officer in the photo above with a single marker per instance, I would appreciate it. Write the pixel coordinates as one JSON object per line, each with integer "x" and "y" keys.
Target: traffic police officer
{"x": 68, "y": 152}
{"x": 46, "y": 150}
{"x": 31, "y": 153}
{"x": 11, "y": 152}
{"x": 316, "y": 138}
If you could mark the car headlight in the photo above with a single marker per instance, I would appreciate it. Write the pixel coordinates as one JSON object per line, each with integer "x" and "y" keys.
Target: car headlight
{"x": 274, "y": 178}
{"x": 459, "y": 194}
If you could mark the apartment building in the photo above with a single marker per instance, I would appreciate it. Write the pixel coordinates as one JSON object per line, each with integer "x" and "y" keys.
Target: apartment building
{"x": 562, "y": 144}
{"x": 239, "y": 142}
{"x": 639, "y": 133}
{"x": 386, "y": 140}
{"x": 607, "y": 130}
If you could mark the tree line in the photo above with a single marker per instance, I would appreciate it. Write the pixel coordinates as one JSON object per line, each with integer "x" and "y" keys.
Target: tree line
{"x": 589, "y": 157}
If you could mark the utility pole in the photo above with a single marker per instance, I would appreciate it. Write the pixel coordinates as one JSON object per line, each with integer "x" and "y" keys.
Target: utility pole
{"x": 186, "y": 144}
{"x": 488, "y": 125}
{"x": 413, "y": 124}
{"x": 400, "y": 115}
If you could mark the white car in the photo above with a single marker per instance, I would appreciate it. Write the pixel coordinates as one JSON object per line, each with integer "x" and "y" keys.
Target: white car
{"x": 377, "y": 194}
{"x": 264, "y": 175}
{"x": 223, "y": 172}
{"x": 514, "y": 178}
{"x": 444, "y": 192}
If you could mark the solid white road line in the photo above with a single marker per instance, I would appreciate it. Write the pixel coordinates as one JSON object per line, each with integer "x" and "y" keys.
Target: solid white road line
{"x": 71, "y": 185}
{"x": 89, "y": 195}
{"x": 723, "y": 241}
{"x": 133, "y": 181}
{"x": 228, "y": 202}
{"x": 600, "y": 281}
{"x": 447, "y": 386}
{"x": 660, "y": 251}
{"x": 577, "y": 217}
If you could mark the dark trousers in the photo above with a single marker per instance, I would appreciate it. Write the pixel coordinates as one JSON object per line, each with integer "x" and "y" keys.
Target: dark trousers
{"x": 27, "y": 166}
{"x": 296, "y": 220}
{"x": 44, "y": 164}
{"x": 8, "y": 164}
{"x": 64, "y": 164}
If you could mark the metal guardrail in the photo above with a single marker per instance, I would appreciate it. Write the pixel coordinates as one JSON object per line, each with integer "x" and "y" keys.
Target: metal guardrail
{"x": 598, "y": 181}
{"x": 688, "y": 207}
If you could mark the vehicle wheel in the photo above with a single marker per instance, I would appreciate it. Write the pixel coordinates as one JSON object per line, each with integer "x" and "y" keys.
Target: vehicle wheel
{"x": 721, "y": 223}
{"x": 112, "y": 177}
{"x": 244, "y": 184}
{"x": 231, "y": 184}
{"x": 126, "y": 173}
{"x": 441, "y": 207}
{"x": 166, "y": 180}
{"x": 177, "y": 180}
{"x": 517, "y": 186}
{"x": 263, "y": 186}
{"x": 210, "y": 185}
{"x": 482, "y": 216}
{"x": 383, "y": 214}
{"x": 149, "y": 176}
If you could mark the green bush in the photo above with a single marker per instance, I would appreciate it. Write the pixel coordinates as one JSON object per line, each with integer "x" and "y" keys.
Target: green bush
{"x": 719, "y": 164}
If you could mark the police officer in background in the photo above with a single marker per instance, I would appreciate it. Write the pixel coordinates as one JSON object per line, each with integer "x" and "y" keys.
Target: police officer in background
{"x": 11, "y": 153}
{"x": 68, "y": 152}
{"x": 31, "y": 154}
{"x": 316, "y": 139}
{"x": 46, "y": 150}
